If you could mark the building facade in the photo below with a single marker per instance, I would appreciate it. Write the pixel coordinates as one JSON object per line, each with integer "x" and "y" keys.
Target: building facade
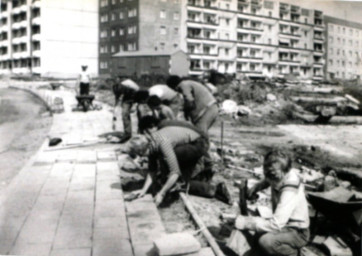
{"x": 48, "y": 38}
{"x": 343, "y": 49}
{"x": 250, "y": 37}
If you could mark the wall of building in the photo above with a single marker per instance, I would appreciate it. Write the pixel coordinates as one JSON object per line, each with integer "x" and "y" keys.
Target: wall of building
{"x": 69, "y": 37}
{"x": 343, "y": 49}
{"x": 159, "y": 25}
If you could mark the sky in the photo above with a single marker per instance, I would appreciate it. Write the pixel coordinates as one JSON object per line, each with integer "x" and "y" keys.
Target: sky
{"x": 348, "y": 10}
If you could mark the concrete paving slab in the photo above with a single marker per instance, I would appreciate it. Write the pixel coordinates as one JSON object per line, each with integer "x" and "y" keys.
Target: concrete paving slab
{"x": 68, "y": 238}
{"x": 5, "y": 246}
{"x": 31, "y": 249}
{"x": 72, "y": 252}
{"x": 84, "y": 170}
{"x": 106, "y": 156}
{"x": 86, "y": 156}
{"x": 111, "y": 233}
{"x": 112, "y": 248}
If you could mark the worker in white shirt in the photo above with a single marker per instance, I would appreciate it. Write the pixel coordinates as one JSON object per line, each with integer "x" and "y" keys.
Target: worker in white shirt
{"x": 287, "y": 230}
{"x": 84, "y": 80}
{"x": 168, "y": 96}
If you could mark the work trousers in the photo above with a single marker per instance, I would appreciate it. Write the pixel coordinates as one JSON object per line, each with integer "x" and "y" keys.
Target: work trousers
{"x": 207, "y": 119}
{"x": 286, "y": 242}
{"x": 84, "y": 88}
{"x": 126, "y": 118}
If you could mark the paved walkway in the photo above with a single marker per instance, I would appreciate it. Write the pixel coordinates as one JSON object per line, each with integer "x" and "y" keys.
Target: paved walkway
{"x": 69, "y": 201}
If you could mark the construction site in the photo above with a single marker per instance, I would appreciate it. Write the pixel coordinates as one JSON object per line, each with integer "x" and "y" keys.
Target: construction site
{"x": 69, "y": 199}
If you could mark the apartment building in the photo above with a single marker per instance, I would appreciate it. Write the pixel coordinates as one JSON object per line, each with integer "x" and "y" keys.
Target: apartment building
{"x": 48, "y": 38}
{"x": 343, "y": 49}
{"x": 250, "y": 37}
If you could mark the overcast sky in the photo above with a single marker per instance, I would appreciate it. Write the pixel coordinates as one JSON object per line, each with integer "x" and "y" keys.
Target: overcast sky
{"x": 348, "y": 10}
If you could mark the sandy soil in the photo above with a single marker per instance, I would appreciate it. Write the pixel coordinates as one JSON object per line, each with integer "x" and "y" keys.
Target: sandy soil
{"x": 24, "y": 125}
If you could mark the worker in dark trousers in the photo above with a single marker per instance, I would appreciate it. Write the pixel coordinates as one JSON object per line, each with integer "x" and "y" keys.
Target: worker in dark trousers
{"x": 174, "y": 151}
{"x": 199, "y": 104}
{"x": 84, "y": 80}
{"x": 125, "y": 90}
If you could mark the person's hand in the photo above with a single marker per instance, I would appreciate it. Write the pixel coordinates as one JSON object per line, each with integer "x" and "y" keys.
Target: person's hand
{"x": 135, "y": 194}
{"x": 252, "y": 193}
{"x": 159, "y": 198}
{"x": 241, "y": 222}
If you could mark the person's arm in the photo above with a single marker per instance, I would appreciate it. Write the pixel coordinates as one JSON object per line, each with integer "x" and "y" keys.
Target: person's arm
{"x": 168, "y": 113}
{"x": 286, "y": 206}
{"x": 189, "y": 100}
{"x": 169, "y": 156}
{"x": 257, "y": 187}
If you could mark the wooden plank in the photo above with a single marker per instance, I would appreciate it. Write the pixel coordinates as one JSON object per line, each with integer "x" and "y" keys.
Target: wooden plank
{"x": 210, "y": 239}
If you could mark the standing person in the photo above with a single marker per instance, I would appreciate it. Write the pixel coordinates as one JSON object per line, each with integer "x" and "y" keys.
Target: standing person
{"x": 160, "y": 111}
{"x": 174, "y": 151}
{"x": 288, "y": 229}
{"x": 84, "y": 80}
{"x": 168, "y": 96}
{"x": 199, "y": 104}
{"x": 126, "y": 90}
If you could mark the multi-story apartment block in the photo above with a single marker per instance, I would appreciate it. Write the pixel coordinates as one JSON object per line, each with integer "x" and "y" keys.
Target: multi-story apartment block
{"x": 250, "y": 37}
{"x": 48, "y": 37}
{"x": 343, "y": 49}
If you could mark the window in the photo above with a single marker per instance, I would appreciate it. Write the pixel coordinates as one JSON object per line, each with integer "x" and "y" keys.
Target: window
{"x": 113, "y": 32}
{"x": 121, "y": 31}
{"x": 176, "y": 16}
{"x": 104, "y": 18}
{"x": 226, "y": 51}
{"x": 113, "y": 49}
{"x": 269, "y": 41}
{"x": 121, "y": 15}
{"x": 270, "y": 14}
{"x": 305, "y": 20}
{"x": 175, "y": 31}
{"x": 131, "y": 46}
{"x": 104, "y": 65}
{"x": 103, "y": 49}
{"x": 163, "y": 30}
{"x": 121, "y": 1}
{"x": 113, "y": 1}
{"x": 227, "y": 22}
{"x": 104, "y": 3}
{"x": 331, "y": 62}
{"x": 162, "y": 46}
{"x": 132, "y": 30}
{"x": 121, "y": 48}
{"x": 344, "y": 30}
{"x": 163, "y": 14}
{"x": 252, "y": 67}
{"x": 132, "y": 13}
{"x": 227, "y": 6}
{"x": 305, "y": 46}
{"x": 104, "y": 33}
{"x": 113, "y": 16}
{"x": 337, "y": 52}
{"x": 269, "y": 27}
{"x": 253, "y": 10}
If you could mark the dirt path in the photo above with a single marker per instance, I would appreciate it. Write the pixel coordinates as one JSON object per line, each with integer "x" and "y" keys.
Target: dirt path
{"x": 22, "y": 131}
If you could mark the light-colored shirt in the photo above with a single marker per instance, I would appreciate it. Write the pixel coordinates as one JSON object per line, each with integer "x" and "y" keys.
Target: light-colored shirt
{"x": 290, "y": 207}
{"x": 84, "y": 77}
{"x": 162, "y": 91}
{"x": 196, "y": 92}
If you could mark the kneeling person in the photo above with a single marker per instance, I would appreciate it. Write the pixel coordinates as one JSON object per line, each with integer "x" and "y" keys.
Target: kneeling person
{"x": 287, "y": 231}
{"x": 175, "y": 150}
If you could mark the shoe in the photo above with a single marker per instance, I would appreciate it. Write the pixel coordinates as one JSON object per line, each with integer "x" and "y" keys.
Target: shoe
{"x": 223, "y": 194}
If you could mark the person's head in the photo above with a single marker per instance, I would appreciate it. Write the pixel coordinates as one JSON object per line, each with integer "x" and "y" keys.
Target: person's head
{"x": 277, "y": 164}
{"x": 148, "y": 124}
{"x": 154, "y": 102}
{"x": 141, "y": 96}
{"x": 84, "y": 67}
{"x": 173, "y": 81}
{"x": 137, "y": 146}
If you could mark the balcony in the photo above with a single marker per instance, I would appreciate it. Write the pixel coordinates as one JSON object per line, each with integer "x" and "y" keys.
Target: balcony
{"x": 36, "y": 4}
{"x": 37, "y": 53}
{"x": 284, "y": 9}
{"x": 295, "y": 9}
{"x": 243, "y": 2}
{"x": 21, "y": 55}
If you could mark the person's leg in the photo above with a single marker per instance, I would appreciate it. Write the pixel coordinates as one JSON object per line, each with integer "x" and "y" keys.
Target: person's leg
{"x": 126, "y": 118}
{"x": 208, "y": 119}
{"x": 286, "y": 242}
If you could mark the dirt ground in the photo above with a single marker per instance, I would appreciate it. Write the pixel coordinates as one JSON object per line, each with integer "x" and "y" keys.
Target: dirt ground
{"x": 24, "y": 125}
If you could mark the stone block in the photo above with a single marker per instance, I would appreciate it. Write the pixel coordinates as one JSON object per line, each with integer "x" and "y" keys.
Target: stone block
{"x": 176, "y": 244}
{"x": 80, "y": 184}
{"x": 80, "y": 197}
{"x": 145, "y": 231}
{"x": 145, "y": 250}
